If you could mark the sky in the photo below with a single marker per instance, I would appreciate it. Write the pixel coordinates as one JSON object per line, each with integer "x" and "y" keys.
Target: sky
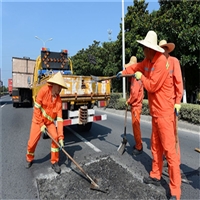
{"x": 72, "y": 25}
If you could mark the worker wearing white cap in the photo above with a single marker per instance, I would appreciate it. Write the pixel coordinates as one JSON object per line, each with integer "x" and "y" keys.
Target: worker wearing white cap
{"x": 154, "y": 74}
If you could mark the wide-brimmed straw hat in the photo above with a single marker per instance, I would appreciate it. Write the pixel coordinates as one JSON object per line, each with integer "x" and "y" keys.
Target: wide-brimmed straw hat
{"x": 133, "y": 60}
{"x": 170, "y": 46}
{"x": 58, "y": 79}
{"x": 150, "y": 41}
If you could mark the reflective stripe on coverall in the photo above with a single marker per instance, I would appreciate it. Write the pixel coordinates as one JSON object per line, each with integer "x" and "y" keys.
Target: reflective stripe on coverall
{"x": 135, "y": 101}
{"x": 157, "y": 81}
{"x": 45, "y": 111}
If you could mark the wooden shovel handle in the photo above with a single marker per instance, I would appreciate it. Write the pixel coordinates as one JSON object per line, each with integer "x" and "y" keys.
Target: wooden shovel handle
{"x": 81, "y": 169}
{"x": 111, "y": 77}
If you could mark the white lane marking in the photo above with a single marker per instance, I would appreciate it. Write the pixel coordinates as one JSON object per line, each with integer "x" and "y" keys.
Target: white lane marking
{"x": 3, "y": 105}
{"x": 84, "y": 140}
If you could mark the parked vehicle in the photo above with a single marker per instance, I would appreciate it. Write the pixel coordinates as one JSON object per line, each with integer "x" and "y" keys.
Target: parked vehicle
{"x": 22, "y": 70}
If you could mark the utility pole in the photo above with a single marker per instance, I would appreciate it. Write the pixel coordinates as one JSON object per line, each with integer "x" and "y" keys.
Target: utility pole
{"x": 123, "y": 52}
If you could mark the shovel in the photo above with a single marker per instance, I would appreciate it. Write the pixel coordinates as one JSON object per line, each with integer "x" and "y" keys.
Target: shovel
{"x": 93, "y": 185}
{"x": 122, "y": 146}
{"x": 97, "y": 79}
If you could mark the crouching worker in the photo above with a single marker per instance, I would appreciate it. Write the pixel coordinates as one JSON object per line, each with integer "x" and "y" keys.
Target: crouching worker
{"x": 47, "y": 108}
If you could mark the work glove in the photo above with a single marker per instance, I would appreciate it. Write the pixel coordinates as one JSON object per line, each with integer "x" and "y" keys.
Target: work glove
{"x": 126, "y": 103}
{"x": 43, "y": 129}
{"x": 61, "y": 142}
{"x": 177, "y": 108}
{"x": 119, "y": 74}
{"x": 138, "y": 75}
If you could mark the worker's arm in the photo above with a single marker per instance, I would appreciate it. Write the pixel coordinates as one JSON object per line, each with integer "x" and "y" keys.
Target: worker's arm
{"x": 38, "y": 106}
{"x": 178, "y": 81}
{"x": 134, "y": 67}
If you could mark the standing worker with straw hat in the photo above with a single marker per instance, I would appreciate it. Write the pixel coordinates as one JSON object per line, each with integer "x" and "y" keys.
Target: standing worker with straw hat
{"x": 154, "y": 74}
{"x": 47, "y": 108}
{"x": 135, "y": 102}
{"x": 175, "y": 71}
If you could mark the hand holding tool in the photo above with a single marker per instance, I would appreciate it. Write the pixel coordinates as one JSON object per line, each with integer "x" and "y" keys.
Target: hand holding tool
{"x": 61, "y": 142}
{"x": 177, "y": 108}
{"x": 138, "y": 75}
{"x": 43, "y": 128}
{"x": 119, "y": 74}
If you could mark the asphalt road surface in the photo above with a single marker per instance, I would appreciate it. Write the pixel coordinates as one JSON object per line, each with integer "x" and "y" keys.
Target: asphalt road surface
{"x": 95, "y": 151}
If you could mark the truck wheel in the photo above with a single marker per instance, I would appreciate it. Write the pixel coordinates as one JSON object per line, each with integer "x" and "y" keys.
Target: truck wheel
{"x": 84, "y": 128}
{"x": 15, "y": 105}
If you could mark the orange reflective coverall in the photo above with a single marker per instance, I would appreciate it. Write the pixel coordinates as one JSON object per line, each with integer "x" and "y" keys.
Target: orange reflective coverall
{"x": 158, "y": 82}
{"x": 135, "y": 101}
{"x": 46, "y": 110}
{"x": 175, "y": 72}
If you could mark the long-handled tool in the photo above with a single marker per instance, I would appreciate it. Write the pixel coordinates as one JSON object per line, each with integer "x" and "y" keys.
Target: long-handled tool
{"x": 97, "y": 79}
{"x": 93, "y": 185}
{"x": 176, "y": 133}
{"x": 197, "y": 150}
{"x": 122, "y": 146}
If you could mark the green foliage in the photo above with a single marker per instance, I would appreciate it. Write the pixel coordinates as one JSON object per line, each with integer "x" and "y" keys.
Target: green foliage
{"x": 145, "y": 107}
{"x": 113, "y": 100}
{"x": 175, "y": 21}
{"x": 188, "y": 112}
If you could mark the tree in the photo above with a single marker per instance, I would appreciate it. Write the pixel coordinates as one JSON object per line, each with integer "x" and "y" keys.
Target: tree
{"x": 88, "y": 61}
{"x": 179, "y": 22}
{"x": 137, "y": 24}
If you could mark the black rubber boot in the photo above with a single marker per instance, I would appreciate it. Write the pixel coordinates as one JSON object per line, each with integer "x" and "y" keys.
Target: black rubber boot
{"x": 56, "y": 168}
{"x": 172, "y": 198}
{"x": 149, "y": 180}
{"x": 136, "y": 151}
{"x": 28, "y": 164}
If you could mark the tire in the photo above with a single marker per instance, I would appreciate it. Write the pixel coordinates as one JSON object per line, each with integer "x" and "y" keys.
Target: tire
{"x": 15, "y": 105}
{"x": 84, "y": 128}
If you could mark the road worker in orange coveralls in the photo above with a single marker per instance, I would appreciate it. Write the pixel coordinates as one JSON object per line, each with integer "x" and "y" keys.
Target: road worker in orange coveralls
{"x": 175, "y": 71}
{"x": 154, "y": 73}
{"x": 135, "y": 102}
{"x": 47, "y": 108}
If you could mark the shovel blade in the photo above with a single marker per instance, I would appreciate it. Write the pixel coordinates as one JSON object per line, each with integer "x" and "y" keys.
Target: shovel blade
{"x": 122, "y": 146}
{"x": 98, "y": 187}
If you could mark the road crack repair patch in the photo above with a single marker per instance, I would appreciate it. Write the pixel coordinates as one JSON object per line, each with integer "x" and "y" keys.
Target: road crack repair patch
{"x": 111, "y": 177}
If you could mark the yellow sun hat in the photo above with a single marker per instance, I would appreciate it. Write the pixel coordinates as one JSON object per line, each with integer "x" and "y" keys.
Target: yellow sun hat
{"x": 58, "y": 79}
{"x": 132, "y": 61}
